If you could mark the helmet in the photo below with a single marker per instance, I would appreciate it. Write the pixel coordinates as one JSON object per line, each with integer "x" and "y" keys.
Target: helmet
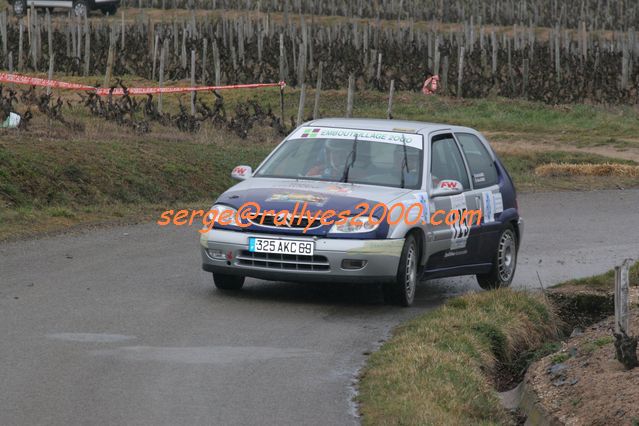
{"x": 336, "y": 152}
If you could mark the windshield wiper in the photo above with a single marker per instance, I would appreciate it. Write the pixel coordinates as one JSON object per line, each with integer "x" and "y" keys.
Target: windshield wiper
{"x": 405, "y": 161}
{"x": 352, "y": 156}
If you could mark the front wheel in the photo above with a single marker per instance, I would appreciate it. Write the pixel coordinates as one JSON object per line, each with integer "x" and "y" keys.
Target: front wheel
{"x": 504, "y": 262}
{"x": 402, "y": 290}
{"x": 228, "y": 282}
{"x": 20, "y": 7}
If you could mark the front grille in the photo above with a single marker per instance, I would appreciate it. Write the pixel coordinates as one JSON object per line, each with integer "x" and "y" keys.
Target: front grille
{"x": 297, "y": 222}
{"x": 286, "y": 262}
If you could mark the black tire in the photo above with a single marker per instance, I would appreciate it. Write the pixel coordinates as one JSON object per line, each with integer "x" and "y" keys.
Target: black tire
{"x": 228, "y": 282}
{"x": 20, "y": 7}
{"x": 110, "y": 9}
{"x": 402, "y": 290}
{"x": 504, "y": 262}
{"x": 80, "y": 8}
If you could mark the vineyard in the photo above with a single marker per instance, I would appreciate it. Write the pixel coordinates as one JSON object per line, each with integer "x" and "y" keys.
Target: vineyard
{"x": 138, "y": 114}
{"x": 597, "y": 14}
{"x": 542, "y": 50}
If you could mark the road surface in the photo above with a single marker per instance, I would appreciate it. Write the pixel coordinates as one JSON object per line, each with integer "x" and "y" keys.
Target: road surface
{"x": 120, "y": 325}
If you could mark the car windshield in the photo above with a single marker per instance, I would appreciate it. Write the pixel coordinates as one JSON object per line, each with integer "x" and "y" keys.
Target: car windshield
{"x": 354, "y": 160}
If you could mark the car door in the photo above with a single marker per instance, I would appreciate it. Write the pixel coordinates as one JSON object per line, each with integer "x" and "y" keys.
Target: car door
{"x": 450, "y": 244}
{"x": 485, "y": 179}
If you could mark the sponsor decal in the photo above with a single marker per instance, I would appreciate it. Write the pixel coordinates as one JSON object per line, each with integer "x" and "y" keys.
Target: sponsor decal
{"x": 455, "y": 253}
{"x": 340, "y": 189}
{"x": 449, "y": 184}
{"x": 499, "y": 203}
{"x": 479, "y": 177}
{"x": 310, "y": 133}
{"x": 492, "y": 204}
{"x": 301, "y": 185}
{"x": 412, "y": 140}
{"x": 488, "y": 204}
{"x": 240, "y": 170}
{"x": 298, "y": 197}
{"x": 422, "y": 198}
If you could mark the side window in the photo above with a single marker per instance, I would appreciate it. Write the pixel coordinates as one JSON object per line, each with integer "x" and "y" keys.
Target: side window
{"x": 447, "y": 161}
{"x": 482, "y": 166}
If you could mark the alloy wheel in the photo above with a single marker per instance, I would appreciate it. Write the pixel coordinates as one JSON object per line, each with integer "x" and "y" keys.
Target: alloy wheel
{"x": 410, "y": 280}
{"x": 506, "y": 256}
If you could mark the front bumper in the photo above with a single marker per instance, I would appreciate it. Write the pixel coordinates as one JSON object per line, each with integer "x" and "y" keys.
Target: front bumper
{"x": 226, "y": 252}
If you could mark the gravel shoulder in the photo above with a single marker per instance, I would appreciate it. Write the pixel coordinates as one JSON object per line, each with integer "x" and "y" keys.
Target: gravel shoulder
{"x": 584, "y": 384}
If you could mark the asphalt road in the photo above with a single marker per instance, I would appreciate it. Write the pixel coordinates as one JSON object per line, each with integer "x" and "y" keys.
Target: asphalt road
{"x": 120, "y": 325}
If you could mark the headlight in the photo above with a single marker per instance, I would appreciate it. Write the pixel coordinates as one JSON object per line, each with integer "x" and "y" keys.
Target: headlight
{"x": 362, "y": 224}
{"x": 221, "y": 208}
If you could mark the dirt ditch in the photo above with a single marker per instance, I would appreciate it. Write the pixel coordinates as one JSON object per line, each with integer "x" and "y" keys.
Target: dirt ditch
{"x": 577, "y": 380}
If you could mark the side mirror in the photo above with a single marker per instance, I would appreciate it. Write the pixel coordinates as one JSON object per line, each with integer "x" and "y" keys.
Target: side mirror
{"x": 242, "y": 172}
{"x": 446, "y": 188}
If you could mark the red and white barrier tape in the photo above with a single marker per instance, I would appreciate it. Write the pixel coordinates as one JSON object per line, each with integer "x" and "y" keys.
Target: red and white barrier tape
{"x": 118, "y": 91}
{"x": 35, "y": 81}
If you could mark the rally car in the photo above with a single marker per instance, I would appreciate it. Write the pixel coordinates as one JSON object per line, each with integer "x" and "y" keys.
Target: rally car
{"x": 342, "y": 166}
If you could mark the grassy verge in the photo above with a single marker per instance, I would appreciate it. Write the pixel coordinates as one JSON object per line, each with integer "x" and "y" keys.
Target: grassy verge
{"x": 51, "y": 179}
{"x": 604, "y": 281}
{"x": 437, "y": 369}
{"x": 443, "y": 367}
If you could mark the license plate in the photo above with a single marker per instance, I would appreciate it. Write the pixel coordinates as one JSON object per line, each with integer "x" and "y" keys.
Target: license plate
{"x": 269, "y": 245}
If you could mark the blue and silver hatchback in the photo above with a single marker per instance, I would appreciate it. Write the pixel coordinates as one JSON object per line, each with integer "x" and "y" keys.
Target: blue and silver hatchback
{"x": 379, "y": 201}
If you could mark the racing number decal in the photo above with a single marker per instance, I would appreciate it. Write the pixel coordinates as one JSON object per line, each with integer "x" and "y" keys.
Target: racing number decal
{"x": 459, "y": 229}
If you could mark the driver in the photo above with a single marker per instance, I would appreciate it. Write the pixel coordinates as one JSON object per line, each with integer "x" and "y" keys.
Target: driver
{"x": 331, "y": 166}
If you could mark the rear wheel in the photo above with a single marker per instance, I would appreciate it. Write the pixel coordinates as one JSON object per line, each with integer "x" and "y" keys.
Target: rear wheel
{"x": 504, "y": 262}
{"x": 402, "y": 290}
{"x": 20, "y": 7}
{"x": 80, "y": 8}
{"x": 228, "y": 282}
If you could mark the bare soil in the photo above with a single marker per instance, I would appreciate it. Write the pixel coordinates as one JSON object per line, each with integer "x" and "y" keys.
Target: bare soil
{"x": 584, "y": 384}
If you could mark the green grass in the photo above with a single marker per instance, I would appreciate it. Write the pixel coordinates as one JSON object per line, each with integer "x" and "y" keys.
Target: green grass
{"x": 603, "y": 341}
{"x": 559, "y": 358}
{"x": 51, "y": 183}
{"x": 436, "y": 368}
{"x": 590, "y": 347}
{"x": 605, "y": 281}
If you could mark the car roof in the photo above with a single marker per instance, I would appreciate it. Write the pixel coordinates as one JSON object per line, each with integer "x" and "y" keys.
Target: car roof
{"x": 406, "y": 126}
